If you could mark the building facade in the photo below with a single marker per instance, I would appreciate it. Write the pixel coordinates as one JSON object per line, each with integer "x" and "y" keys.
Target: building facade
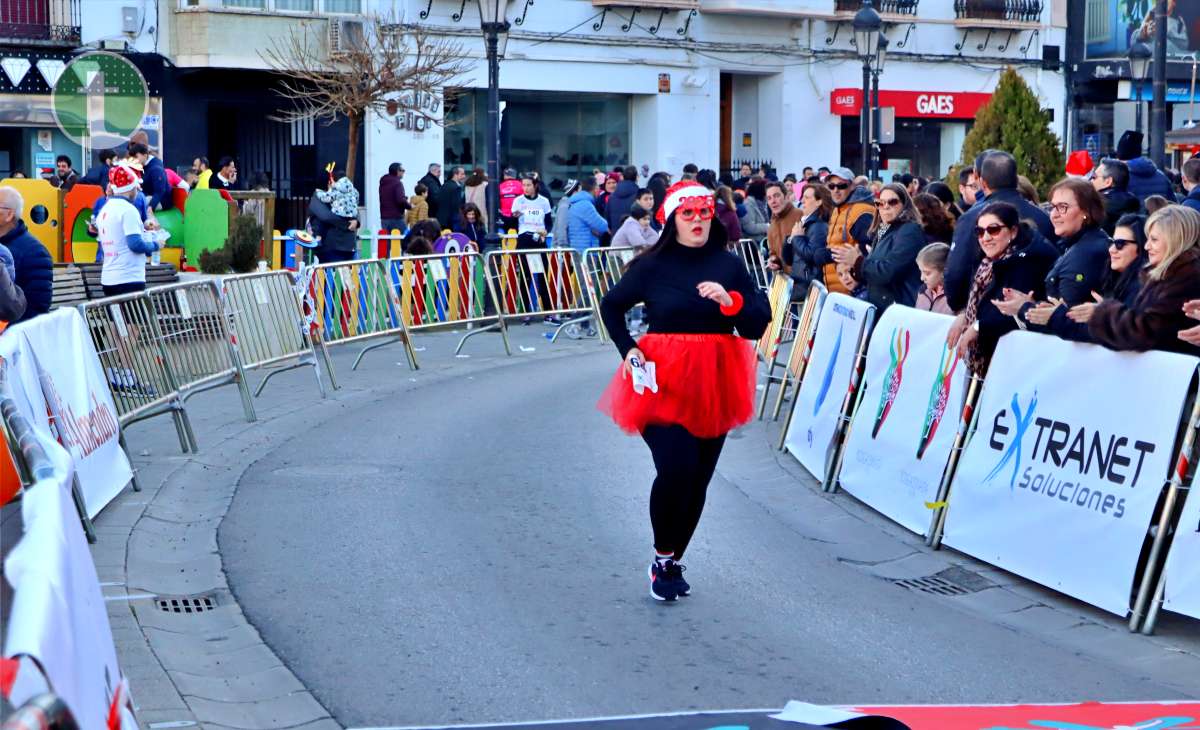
{"x": 589, "y": 84}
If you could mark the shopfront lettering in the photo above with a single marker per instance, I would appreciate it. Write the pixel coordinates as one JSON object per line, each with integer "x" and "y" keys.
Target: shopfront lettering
{"x": 913, "y": 104}
{"x": 940, "y": 104}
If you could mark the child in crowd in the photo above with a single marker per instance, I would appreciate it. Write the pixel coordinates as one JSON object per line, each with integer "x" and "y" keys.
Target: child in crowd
{"x": 420, "y": 206}
{"x": 419, "y": 246}
{"x": 856, "y": 289}
{"x": 635, "y": 231}
{"x": 342, "y": 198}
{"x": 931, "y": 261}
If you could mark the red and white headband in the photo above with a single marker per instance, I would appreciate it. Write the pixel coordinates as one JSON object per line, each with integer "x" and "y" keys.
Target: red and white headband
{"x": 680, "y": 193}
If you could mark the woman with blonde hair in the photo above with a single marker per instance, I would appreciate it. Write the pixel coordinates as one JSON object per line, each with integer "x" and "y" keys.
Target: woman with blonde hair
{"x": 1172, "y": 277}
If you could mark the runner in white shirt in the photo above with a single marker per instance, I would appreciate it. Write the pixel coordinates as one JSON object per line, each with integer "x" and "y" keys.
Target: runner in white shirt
{"x": 534, "y": 216}
{"x": 123, "y": 236}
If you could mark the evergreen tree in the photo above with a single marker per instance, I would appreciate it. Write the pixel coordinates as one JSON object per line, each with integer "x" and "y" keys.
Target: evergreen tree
{"x": 1013, "y": 121}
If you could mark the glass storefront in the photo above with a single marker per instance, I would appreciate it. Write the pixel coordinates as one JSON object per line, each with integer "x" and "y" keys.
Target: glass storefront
{"x": 560, "y": 135}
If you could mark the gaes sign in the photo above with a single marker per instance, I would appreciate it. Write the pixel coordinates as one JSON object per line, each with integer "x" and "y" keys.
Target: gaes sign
{"x": 913, "y": 104}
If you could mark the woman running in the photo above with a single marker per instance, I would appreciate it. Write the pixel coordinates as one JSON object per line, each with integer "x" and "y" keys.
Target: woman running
{"x": 697, "y": 294}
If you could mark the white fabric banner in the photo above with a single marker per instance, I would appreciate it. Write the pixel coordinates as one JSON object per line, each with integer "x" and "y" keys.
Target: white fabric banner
{"x": 54, "y": 373}
{"x": 1182, "y": 591}
{"x": 826, "y": 380}
{"x": 58, "y": 615}
{"x": 1073, "y": 445}
{"x": 902, "y": 433}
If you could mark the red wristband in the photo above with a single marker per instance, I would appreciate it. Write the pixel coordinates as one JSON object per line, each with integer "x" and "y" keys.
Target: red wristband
{"x": 733, "y": 307}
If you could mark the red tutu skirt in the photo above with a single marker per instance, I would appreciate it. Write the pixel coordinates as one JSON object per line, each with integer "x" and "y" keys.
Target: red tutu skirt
{"x": 705, "y": 384}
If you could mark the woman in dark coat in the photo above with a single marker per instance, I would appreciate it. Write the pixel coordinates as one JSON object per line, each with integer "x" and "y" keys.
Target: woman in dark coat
{"x": 890, "y": 271}
{"x": 1127, "y": 263}
{"x": 727, "y": 213}
{"x": 1156, "y": 317}
{"x": 1015, "y": 258}
{"x": 936, "y": 221}
{"x": 806, "y": 251}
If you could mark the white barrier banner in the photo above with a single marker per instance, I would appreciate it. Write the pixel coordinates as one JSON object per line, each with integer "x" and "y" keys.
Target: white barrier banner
{"x": 54, "y": 373}
{"x": 826, "y": 380}
{"x": 1073, "y": 445}
{"x": 1182, "y": 591}
{"x": 901, "y": 436}
{"x": 58, "y": 615}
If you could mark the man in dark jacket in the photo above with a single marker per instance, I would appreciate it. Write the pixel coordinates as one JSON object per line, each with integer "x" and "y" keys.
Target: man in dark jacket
{"x": 1112, "y": 182}
{"x": 1191, "y": 182}
{"x": 339, "y": 237}
{"x": 433, "y": 183}
{"x": 622, "y": 199}
{"x": 64, "y": 175}
{"x": 97, "y": 174}
{"x": 35, "y": 268}
{"x": 450, "y": 199}
{"x": 1144, "y": 178}
{"x": 154, "y": 178}
{"x": 392, "y": 200}
{"x": 998, "y": 184}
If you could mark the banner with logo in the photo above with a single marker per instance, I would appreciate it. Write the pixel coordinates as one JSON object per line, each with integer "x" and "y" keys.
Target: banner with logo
{"x": 56, "y": 378}
{"x": 1182, "y": 591}
{"x": 901, "y": 436}
{"x": 828, "y": 377}
{"x": 58, "y": 615}
{"x": 1059, "y": 481}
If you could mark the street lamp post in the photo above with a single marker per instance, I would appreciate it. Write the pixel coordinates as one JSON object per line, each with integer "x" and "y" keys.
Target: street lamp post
{"x": 876, "y": 123}
{"x": 1139, "y": 67}
{"x": 867, "y": 26}
{"x": 495, "y": 34}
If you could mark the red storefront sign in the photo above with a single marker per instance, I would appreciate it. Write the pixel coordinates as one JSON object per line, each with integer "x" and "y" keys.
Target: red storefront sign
{"x": 913, "y": 104}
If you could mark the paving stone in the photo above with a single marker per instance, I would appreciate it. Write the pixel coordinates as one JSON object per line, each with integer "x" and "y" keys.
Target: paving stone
{"x": 172, "y": 529}
{"x": 149, "y": 717}
{"x": 246, "y": 687}
{"x": 247, "y": 660}
{"x": 282, "y": 712}
{"x": 178, "y": 512}
{"x": 995, "y": 600}
{"x": 185, "y": 544}
{"x": 327, "y": 724}
{"x": 155, "y": 692}
{"x": 223, "y": 617}
{"x": 211, "y": 642}
{"x": 199, "y": 575}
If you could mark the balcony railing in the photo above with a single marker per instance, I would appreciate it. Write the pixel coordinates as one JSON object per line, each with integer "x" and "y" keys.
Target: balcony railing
{"x": 49, "y": 22}
{"x": 894, "y": 7}
{"x": 1019, "y": 11}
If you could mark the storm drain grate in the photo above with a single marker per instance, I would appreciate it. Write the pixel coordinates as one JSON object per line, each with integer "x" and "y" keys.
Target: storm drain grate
{"x": 949, "y": 582}
{"x": 186, "y": 604}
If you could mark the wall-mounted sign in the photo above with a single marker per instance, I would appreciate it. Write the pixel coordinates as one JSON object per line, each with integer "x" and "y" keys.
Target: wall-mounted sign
{"x": 913, "y": 104}
{"x": 664, "y": 83}
{"x": 414, "y": 111}
{"x": 747, "y": 139}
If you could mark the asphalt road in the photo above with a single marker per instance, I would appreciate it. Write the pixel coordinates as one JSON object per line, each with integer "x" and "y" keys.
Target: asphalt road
{"x": 475, "y": 550}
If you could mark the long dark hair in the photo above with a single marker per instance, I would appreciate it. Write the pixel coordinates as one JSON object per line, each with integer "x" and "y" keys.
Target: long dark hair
{"x": 1118, "y": 284}
{"x": 718, "y": 239}
{"x": 934, "y": 218}
{"x": 908, "y": 211}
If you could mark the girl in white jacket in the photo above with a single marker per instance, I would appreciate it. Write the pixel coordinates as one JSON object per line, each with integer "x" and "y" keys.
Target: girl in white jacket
{"x": 636, "y": 230}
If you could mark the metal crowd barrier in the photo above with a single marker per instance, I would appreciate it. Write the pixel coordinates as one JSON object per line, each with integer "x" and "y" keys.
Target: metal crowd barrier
{"x": 543, "y": 282}
{"x": 197, "y": 341}
{"x": 603, "y": 268}
{"x": 126, "y": 335}
{"x": 266, "y": 316}
{"x": 354, "y": 301}
{"x": 438, "y": 291}
{"x": 767, "y": 347}
{"x": 797, "y": 359}
{"x": 44, "y": 712}
{"x": 751, "y": 254}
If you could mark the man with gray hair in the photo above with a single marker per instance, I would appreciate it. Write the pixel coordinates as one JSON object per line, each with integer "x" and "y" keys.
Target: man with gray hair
{"x": 34, "y": 267}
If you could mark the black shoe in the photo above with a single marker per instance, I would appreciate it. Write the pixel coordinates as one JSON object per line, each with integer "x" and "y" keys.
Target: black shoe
{"x": 674, "y": 573}
{"x": 662, "y": 588}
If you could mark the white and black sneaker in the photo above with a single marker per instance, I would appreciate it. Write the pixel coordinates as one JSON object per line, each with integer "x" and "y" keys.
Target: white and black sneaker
{"x": 674, "y": 573}
{"x": 662, "y": 586}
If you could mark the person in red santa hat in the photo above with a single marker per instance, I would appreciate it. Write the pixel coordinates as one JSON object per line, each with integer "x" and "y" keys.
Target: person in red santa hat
{"x": 122, "y": 235}
{"x": 698, "y": 295}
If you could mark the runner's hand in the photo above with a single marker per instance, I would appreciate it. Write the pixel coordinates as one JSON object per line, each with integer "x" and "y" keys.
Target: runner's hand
{"x": 714, "y": 291}
{"x": 633, "y": 354}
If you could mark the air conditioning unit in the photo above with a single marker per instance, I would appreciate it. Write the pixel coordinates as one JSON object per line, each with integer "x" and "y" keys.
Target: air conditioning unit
{"x": 345, "y": 36}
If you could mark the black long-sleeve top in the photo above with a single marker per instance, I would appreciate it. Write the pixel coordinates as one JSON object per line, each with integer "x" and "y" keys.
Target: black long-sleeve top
{"x": 666, "y": 283}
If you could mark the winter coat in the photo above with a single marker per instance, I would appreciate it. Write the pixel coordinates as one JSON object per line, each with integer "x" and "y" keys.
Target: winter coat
{"x": 620, "y": 202}
{"x": 1154, "y": 319}
{"x": 449, "y": 205}
{"x": 1025, "y": 270}
{"x": 965, "y": 253}
{"x": 779, "y": 231}
{"x": 96, "y": 175}
{"x": 850, "y": 225}
{"x": 12, "y": 299}
{"x": 1082, "y": 269}
{"x": 156, "y": 186}
{"x": 1193, "y": 199}
{"x": 931, "y": 302}
{"x": 632, "y": 233}
{"x": 729, "y": 219}
{"x": 890, "y": 271}
{"x": 757, "y": 220}
{"x": 1116, "y": 204}
{"x": 808, "y": 252}
{"x": 418, "y": 212}
{"x": 35, "y": 269}
{"x": 392, "y": 201}
{"x": 477, "y": 232}
{"x": 477, "y": 194}
{"x": 66, "y": 183}
{"x": 334, "y": 230}
{"x": 561, "y": 219}
{"x": 585, "y": 225}
{"x": 1145, "y": 180}
{"x": 1119, "y": 287}
{"x": 433, "y": 186}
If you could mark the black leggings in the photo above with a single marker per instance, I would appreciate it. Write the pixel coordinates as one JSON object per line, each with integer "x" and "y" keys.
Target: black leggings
{"x": 685, "y": 465}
